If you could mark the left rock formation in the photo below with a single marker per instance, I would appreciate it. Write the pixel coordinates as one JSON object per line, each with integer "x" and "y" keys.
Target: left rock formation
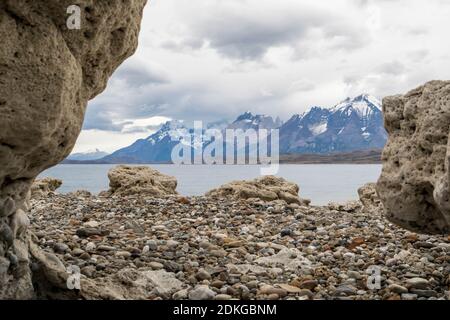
{"x": 48, "y": 73}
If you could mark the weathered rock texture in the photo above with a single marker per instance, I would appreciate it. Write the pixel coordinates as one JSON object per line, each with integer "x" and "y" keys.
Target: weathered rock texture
{"x": 414, "y": 185}
{"x": 42, "y": 187}
{"x": 47, "y": 75}
{"x": 369, "y": 197}
{"x": 127, "y": 284}
{"x": 267, "y": 188}
{"x": 144, "y": 181}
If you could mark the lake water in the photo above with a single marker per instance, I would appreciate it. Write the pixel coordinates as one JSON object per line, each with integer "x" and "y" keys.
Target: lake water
{"x": 322, "y": 183}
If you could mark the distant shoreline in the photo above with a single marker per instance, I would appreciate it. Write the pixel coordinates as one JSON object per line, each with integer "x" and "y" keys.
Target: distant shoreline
{"x": 356, "y": 157}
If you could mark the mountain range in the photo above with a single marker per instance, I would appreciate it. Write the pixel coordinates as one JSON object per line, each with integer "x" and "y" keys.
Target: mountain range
{"x": 88, "y": 155}
{"x": 352, "y": 125}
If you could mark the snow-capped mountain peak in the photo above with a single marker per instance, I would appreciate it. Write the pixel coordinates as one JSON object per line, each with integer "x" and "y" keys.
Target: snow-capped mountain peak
{"x": 250, "y": 121}
{"x": 245, "y": 116}
{"x": 167, "y": 130}
{"x": 371, "y": 99}
{"x": 364, "y": 105}
{"x": 353, "y": 124}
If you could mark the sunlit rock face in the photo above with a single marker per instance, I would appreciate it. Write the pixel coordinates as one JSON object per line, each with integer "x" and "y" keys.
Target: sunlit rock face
{"x": 48, "y": 73}
{"x": 142, "y": 181}
{"x": 414, "y": 185}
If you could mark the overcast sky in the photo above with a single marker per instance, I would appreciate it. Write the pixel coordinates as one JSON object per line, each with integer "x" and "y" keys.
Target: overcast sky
{"x": 214, "y": 59}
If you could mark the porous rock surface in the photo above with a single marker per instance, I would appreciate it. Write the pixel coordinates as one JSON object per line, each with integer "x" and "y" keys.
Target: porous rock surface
{"x": 42, "y": 187}
{"x": 267, "y": 188}
{"x": 414, "y": 185}
{"x": 369, "y": 197}
{"x": 144, "y": 181}
{"x": 47, "y": 75}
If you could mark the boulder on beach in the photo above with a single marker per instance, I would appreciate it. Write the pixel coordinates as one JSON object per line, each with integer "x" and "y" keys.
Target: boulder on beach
{"x": 267, "y": 188}
{"x": 140, "y": 180}
{"x": 349, "y": 206}
{"x": 42, "y": 187}
{"x": 414, "y": 184}
{"x": 80, "y": 194}
{"x": 369, "y": 197}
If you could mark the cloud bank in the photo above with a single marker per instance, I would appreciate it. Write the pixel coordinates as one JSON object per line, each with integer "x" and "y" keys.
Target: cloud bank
{"x": 213, "y": 59}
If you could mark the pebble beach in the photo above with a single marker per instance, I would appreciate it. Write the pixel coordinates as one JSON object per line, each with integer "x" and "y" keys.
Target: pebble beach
{"x": 203, "y": 248}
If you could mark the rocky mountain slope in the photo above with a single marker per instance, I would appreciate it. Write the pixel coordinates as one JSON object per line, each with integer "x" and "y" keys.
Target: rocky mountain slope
{"x": 157, "y": 148}
{"x": 353, "y": 125}
{"x": 249, "y": 121}
{"x": 88, "y": 155}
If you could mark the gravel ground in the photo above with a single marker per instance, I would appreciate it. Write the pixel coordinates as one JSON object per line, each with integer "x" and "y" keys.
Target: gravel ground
{"x": 204, "y": 248}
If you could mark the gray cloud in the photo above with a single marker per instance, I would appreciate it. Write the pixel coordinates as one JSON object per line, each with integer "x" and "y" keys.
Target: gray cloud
{"x": 100, "y": 118}
{"x": 418, "y": 55}
{"x": 246, "y": 30}
{"x": 392, "y": 68}
{"x": 212, "y": 60}
{"x": 185, "y": 44}
{"x": 139, "y": 73}
{"x": 418, "y": 31}
{"x": 302, "y": 85}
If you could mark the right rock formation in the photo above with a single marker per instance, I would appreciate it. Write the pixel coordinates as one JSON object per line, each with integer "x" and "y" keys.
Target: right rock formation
{"x": 414, "y": 184}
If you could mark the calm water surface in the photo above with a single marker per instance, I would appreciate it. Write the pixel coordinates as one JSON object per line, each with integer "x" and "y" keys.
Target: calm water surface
{"x": 320, "y": 182}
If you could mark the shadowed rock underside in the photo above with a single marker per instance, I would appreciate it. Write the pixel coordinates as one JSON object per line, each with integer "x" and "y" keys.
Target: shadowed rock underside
{"x": 47, "y": 75}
